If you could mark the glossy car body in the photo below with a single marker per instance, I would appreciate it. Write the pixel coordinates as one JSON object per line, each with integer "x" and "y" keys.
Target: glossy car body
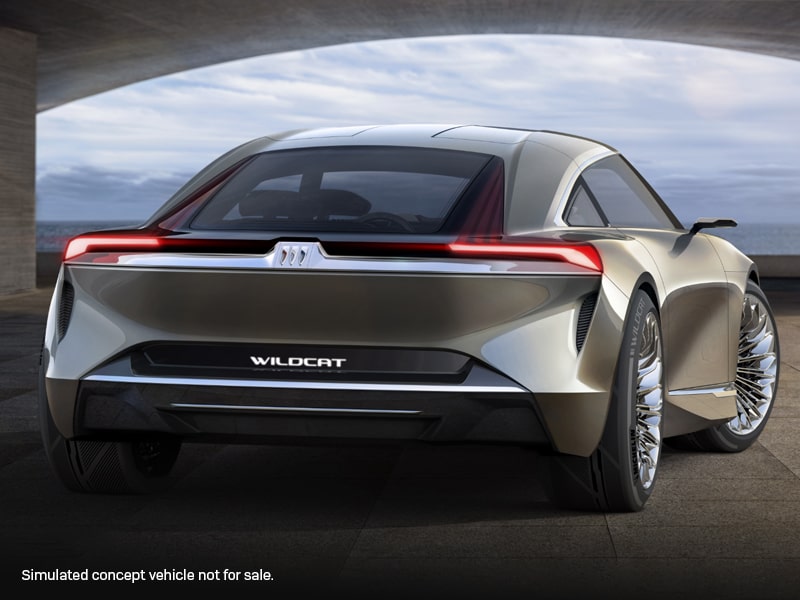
{"x": 268, "y": 301}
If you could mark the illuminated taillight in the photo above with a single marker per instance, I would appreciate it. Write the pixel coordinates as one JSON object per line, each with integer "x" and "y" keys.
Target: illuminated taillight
{"x": 110, "y": 245}
{"x": 578, "y": 254}
{"x": 114, "y": 243}
{"x": 581, "y": 255}
{"x": 575, "y": 253}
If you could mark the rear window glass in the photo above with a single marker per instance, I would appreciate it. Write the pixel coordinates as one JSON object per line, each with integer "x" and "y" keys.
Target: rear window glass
{"x": 385, "y": 189}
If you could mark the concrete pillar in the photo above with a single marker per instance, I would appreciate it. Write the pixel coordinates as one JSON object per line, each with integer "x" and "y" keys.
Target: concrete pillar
{"x": 17, "y": 161}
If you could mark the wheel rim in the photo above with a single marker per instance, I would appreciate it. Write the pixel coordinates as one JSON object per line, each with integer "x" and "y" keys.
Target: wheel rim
{"x": 649, "y": 404}
{"x": 756, "y": 367}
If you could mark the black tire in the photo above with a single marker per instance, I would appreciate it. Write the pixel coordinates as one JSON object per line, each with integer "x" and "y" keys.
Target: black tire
{"x": 110, "y": 467}
{"x": 614, "y": 478}
{"x": 724, "y": 438}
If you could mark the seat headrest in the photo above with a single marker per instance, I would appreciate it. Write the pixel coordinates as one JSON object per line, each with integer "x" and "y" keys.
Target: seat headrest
{"x": 309, "y": 206}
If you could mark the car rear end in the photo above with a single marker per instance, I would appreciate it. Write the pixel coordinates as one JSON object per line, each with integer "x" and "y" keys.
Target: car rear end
{"x": 364, "y": 292}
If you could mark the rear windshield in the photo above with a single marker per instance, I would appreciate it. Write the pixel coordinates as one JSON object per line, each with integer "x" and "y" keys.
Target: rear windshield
{"x": 385, "y": 189}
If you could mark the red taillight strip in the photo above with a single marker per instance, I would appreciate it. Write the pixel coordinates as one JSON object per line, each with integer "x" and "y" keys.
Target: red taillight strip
{"x": 582, "y": 255}
{"x": 579, "y": 254}
{"x": 118, "y": 243}
{"x": 126, "y": 243}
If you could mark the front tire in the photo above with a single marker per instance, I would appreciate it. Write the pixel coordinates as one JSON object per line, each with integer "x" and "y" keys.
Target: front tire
{"x": 110, "y": 467}
{"x": 620, "y": 474}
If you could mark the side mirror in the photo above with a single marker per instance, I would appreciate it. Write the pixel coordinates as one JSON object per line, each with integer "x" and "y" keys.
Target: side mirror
{"x": 706, "y": 223}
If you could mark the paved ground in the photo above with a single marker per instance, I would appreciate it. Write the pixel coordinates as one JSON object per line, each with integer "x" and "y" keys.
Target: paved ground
{"x": 411, "y": 519}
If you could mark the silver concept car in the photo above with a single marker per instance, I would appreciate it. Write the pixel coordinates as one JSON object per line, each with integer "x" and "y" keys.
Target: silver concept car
{"x": 409, "y": 282}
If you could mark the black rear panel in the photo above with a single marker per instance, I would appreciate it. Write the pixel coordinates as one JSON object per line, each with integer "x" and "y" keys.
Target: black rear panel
{"x": 301, "y": 362}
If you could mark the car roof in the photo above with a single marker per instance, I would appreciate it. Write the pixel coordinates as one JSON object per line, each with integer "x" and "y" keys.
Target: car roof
{"x": 508, "y": 143}
{"x": 502, "y": 141}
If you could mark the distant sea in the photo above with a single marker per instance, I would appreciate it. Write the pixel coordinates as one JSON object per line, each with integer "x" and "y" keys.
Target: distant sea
{"x": 750, "y": 238}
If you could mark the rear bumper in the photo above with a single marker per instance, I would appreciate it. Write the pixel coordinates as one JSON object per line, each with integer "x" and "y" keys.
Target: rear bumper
{"x": 484, "y": 407}
{"x": 519, "y": 325}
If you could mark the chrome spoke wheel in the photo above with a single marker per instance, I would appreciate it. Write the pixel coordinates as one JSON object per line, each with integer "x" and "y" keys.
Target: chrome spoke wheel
{"x": 649, "y": 404}
{"x": 756, "y": 369}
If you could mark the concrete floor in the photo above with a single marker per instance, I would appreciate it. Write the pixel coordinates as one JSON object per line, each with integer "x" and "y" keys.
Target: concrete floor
{"x": 400, "y": 520}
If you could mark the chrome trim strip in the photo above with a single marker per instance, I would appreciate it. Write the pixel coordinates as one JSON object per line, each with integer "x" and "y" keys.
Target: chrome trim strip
{"x": 404, "y": 266}
{"x": 309, "y": 385}
{"x": 369, "y": 411}
{"x": 315, "y": 262}
{"x": 722, "y": 391}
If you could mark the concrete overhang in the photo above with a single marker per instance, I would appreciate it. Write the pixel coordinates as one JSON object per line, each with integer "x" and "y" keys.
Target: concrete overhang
{"x": 90, "y": 46}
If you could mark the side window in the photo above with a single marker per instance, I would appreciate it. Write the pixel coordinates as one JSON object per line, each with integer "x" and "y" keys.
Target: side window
{"x": 623, "y": 198}
{"x": 582, "y": 211}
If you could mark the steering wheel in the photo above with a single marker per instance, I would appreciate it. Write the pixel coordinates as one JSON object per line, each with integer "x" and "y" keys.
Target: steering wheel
{"x": 375, "y": 219}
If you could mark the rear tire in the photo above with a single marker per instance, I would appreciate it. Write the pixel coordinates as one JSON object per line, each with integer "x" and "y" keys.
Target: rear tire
{"x": 620, "y": 474}
{"x": 110, "y": 467}
{"x": 756, "y": 384}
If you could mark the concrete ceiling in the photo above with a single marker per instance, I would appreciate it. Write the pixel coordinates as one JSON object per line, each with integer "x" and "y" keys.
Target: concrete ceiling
{"x": 90, "y": 46}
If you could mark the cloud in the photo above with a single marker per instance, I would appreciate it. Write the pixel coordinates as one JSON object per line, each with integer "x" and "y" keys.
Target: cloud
{"x": 97, "y": 194}
{"x": 679, "y": 113}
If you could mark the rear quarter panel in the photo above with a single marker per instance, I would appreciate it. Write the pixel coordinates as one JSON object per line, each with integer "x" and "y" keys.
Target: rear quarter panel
{"x": 695, "y": 297}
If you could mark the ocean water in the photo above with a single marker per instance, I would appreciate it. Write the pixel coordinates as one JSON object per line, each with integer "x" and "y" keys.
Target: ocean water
{"x": 763, "y": 238}
{"x": 750, "y": 238}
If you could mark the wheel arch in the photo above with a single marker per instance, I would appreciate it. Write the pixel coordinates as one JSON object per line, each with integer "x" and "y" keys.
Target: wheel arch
{"x": 599, "y": 363}
{"x": 647, "y": 284}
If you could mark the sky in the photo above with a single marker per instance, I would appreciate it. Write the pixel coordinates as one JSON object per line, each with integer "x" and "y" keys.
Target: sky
{"x": 716, "y": 132}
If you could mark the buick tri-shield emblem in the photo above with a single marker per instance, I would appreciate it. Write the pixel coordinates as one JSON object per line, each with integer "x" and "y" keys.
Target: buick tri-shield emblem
{"x": 291, "y": 255}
